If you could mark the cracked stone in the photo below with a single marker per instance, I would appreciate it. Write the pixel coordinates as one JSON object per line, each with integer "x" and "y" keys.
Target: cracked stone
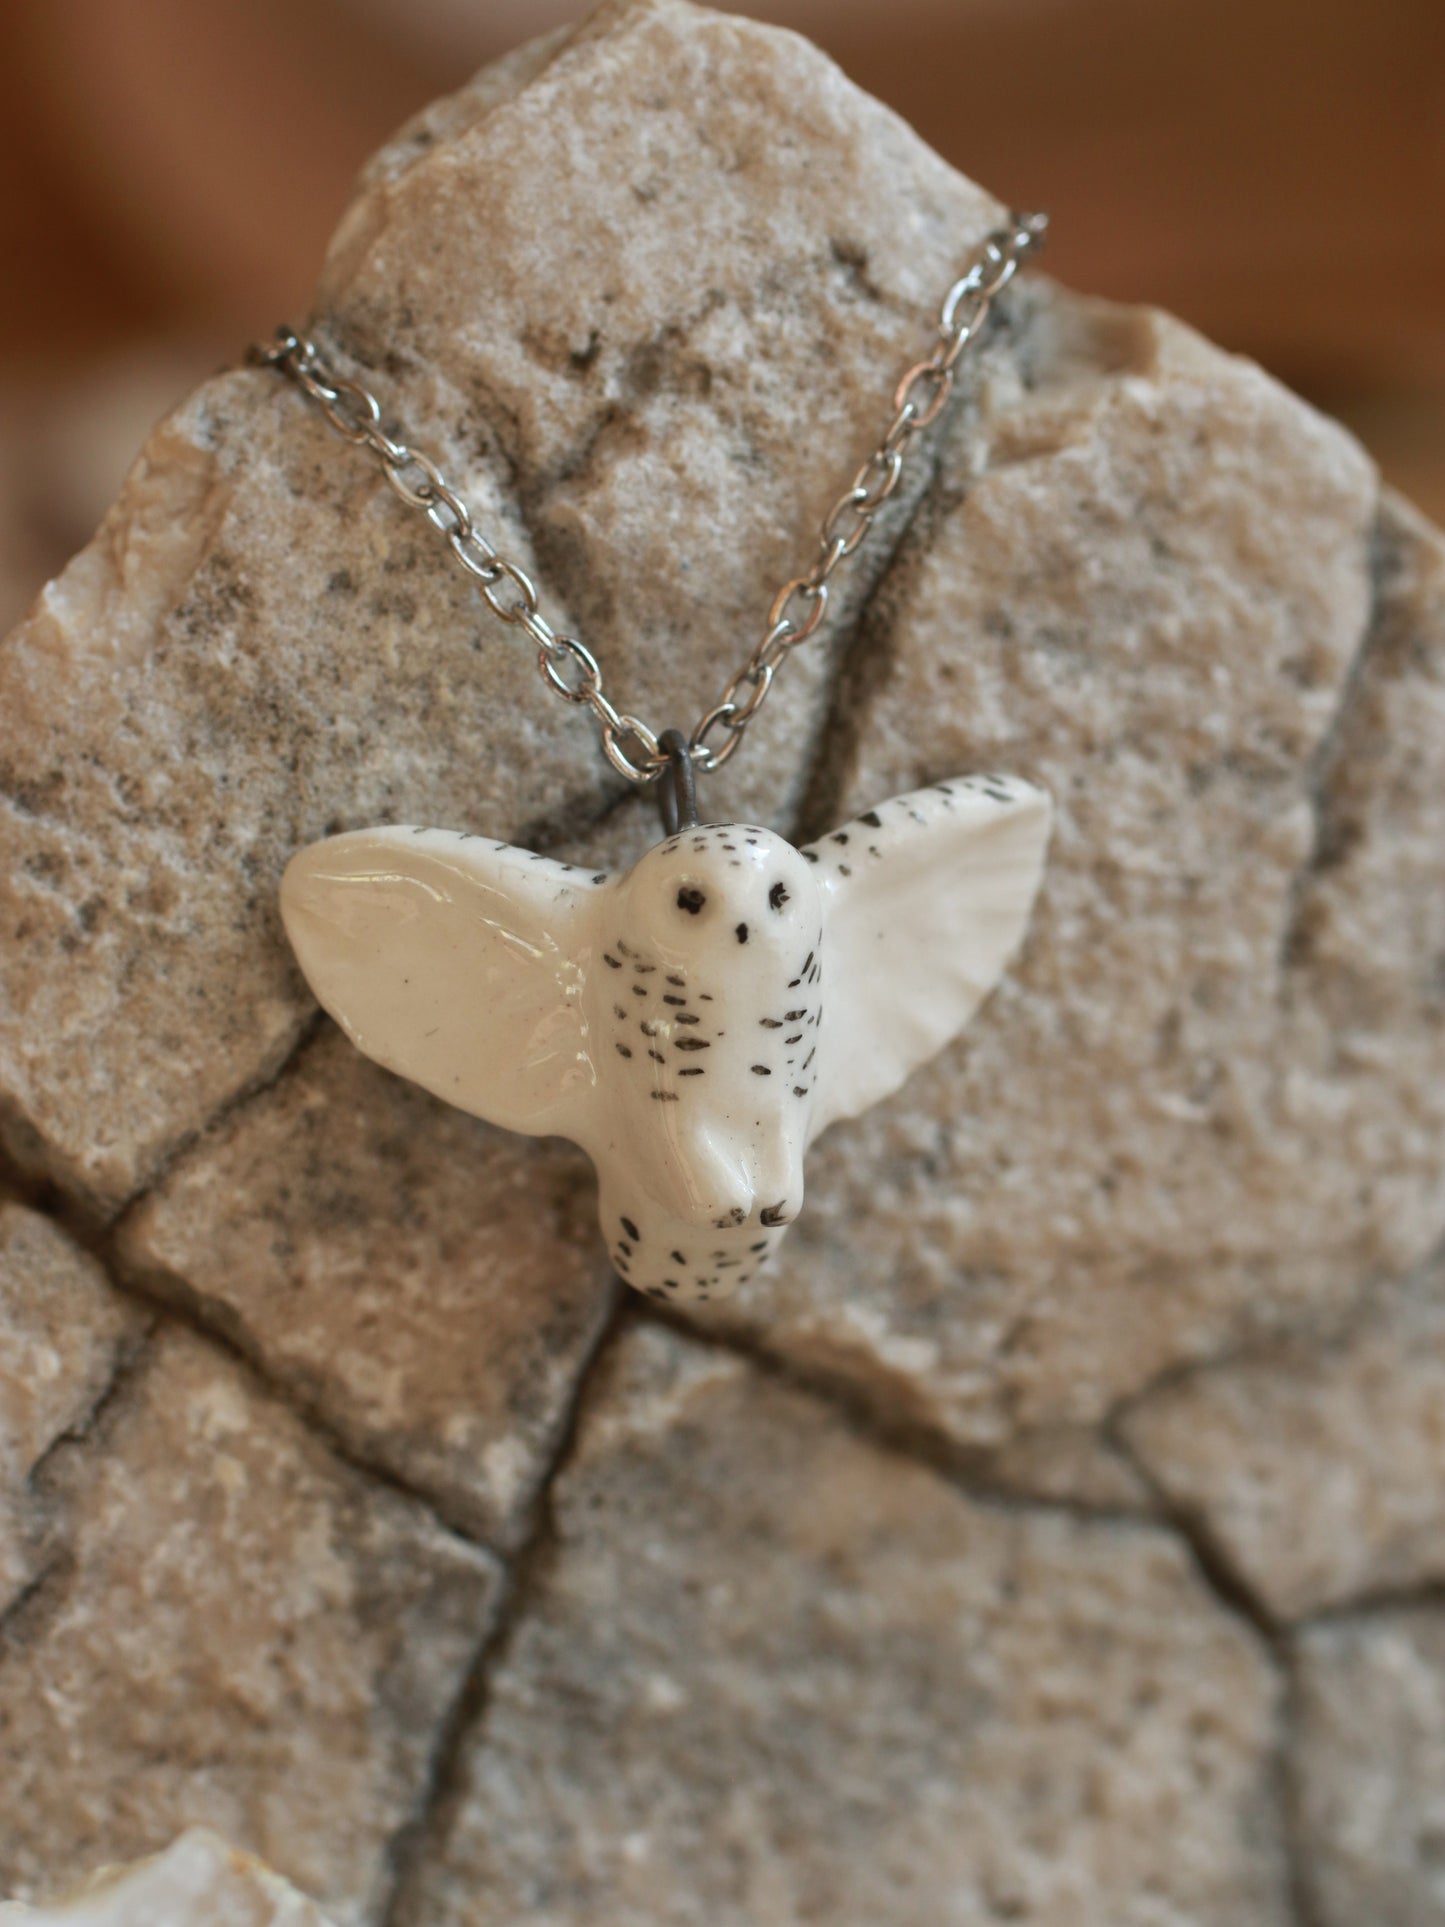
{"x": 197, "y": 1882}
{"x": 1369, "y": 1766}
{"x": 1068, "y": 1465}
{"x": 63, "y": 1331}
{"x": 1204, "y": 1111}
{"x": 846, "y": 1693}
{"x": 242, "y": 1632}
{"x": 261, "y": 645}
{"x": 431, "y": 1287}
{"x": 1210, "y": 1101}
{"x": 1316, "y": 1468}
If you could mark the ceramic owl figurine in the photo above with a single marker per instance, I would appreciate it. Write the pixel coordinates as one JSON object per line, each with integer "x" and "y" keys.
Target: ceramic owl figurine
{"x": 692, "y": 1024}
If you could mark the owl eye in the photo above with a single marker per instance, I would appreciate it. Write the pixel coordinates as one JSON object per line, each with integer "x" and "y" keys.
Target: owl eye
{"x": 691, "y": 899}
{"x": 778, "y": 896}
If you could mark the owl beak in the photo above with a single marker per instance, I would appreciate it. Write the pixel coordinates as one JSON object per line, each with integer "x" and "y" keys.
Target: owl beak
{"x": 719, "y": 1183}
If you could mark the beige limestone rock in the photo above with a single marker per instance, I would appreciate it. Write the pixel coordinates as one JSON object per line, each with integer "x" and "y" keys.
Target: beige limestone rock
{"x": 198, "y": 1881}
{"x": 242, "y": 1632}
{"x": 1317, "y": 1470}
{"x": 432, "y": 1288}
{"x": 650, "y": 346}
{"x": 770, "y": 1673}
{"x": 63, "y": 1333}
{"x": 1209, "y": 1104}
{"x": 1370, "y": 1769}
{"x": 644, "y": 289}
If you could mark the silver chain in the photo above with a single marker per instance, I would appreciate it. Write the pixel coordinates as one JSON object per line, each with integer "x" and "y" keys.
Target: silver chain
{"x": 567, "y": 666}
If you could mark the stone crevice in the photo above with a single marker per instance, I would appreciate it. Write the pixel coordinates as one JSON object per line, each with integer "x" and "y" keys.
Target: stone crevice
{"x": 1229, "y": 1586}
{"x": 213, "y": 1324}
{"x": 1235, "y": 1597}
{"x": 56, "y": 1565}
{"x": 965, "y": 1470}
{"x": 526, "y": 1563}
{"x": 172, "y": 1299}
{"x": 862, "y": 659}
{"x": 1319, "y": 773}
{"x": 1372, "y": 1604}
{"x": 1298, "y": 1844}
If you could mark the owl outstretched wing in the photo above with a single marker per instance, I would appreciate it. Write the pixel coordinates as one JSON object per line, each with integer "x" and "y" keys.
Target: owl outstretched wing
{"x": 455, "y": 961}
{"x": 925, "y": 900}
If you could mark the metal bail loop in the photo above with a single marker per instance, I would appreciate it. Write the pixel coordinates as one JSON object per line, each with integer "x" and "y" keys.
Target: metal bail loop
{"x": 677, "y": 784}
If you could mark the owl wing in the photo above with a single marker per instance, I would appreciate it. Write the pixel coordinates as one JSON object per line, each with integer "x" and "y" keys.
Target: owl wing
{"x": 925, "y": 900}
{"x": 456, "y": 962}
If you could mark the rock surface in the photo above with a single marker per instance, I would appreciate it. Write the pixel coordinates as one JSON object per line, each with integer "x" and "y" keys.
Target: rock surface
{"x": 1189, "y": 1162}
{"x": 262, "y": 645}
{"x": 63, "y": 1333}
{"x": 242, "y": 1631}
{"x": 1210, "y": 1103}
{"x": 1318, "y": 1470}
{"x": 1370, "y": 1755}
{"x": 432, "y": 1288}
{"x": 847, "y": 1694}
{"x": 197, "y": 1882}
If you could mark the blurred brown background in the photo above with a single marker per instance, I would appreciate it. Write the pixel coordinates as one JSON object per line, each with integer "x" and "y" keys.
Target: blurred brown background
{"x": 1273, "y": 170}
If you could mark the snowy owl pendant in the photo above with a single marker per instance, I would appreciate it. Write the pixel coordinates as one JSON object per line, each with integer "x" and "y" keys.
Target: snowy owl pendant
{"x": 692, "y": 1024}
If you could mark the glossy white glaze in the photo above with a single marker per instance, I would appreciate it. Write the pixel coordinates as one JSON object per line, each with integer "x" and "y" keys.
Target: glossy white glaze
{"x": 692, "y": 1024}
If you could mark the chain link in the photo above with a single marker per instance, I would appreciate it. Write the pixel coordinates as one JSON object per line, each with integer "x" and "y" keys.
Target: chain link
{"x": 567, "y": 666}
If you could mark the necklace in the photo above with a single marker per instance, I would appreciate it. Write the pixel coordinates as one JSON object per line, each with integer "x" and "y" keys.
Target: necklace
{"x": 672, "y": 1021}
